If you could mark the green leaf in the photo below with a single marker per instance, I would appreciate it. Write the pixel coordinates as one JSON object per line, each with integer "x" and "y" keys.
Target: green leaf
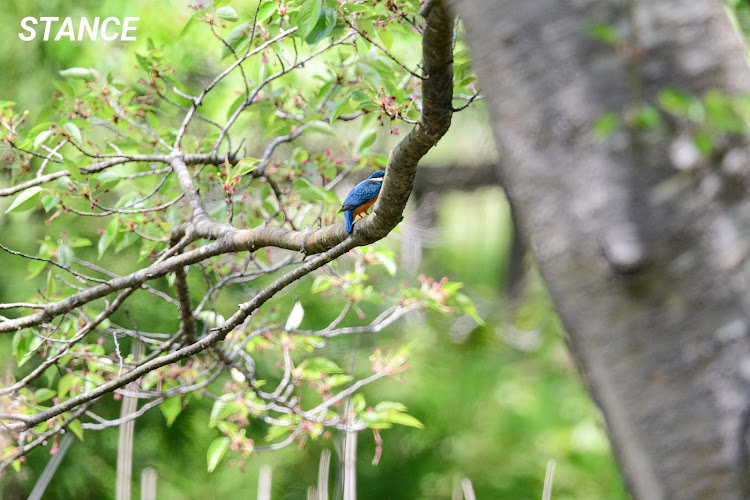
{"x": 64, "y": 87}
{"x": 26, "y": 347}
{"x": 307, "y": 17}
{"x": 43, "y": 136}
{"x": 404, "y": 419}
{"x": 295, "y": 317}
{"x": 606, "y": 124}
{"x": 321, "y": 283}
{"x": 43, "y": 394}
{"x": 25, "y": 200}
{"x": 322, "y": 127}
{"x": 336, "y": 380}
{"x": 64, "y": 254}
{"x": 49, "y": 202}
{"x": 319, "y": 365}
{"x": 358, "y": 403}
{"x": 236, "y": 103}
{"x": 211, "y": 318}
{"x": 366, "y": 139}
{"x": 604, "y": 33}
{"x": 265, "y": 11}
{"x": 79, "y": 242}
{"x": 244, "y": 167}
{"x": 467, "y": 307}
{"x": 675, "y": 102}
{"x": 276, "y": 431}
{"x": 143, "y": 62}
{"x": 390, "y": 406}
{"x": 73, "y": 132}
{"x": 170, "y": 408}
{"x": 227, "y": 12}
{"x": 236, "y": 39}
{"x": 76, "y": 428}
{"x": 374, "y": 420}
{"x": 340, "y": 108}
{"x": 313, "y": 194}
{"x": 78, "y": 73}
{"x": 370, "y": 75}
{"x": 405, "y": 350}
{"x": 216, "y": 452}
{"x": 35, "y": 267}
{"x": 107, "y": 236}
{"x": 109, "y": 179}
{"x": 386, "y": 258}
{"x": 323, "y": 28}
{"x": 193, "y": 21}
{"x": 64, "y": 385}
{"x": 647, "y": 117}
{"x": 222, "y": 408}
{"x": 721, "y": 114}
{"x": 704, "y": 142}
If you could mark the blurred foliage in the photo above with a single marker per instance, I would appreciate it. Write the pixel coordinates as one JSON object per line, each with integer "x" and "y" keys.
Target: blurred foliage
{"x": 497, "y": 401}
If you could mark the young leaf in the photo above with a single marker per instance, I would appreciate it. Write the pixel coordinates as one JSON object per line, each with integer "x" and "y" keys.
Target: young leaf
{"x": 77, "y": 73}
{"x": 295, "y": 317}
{"x": 244, "y": 166}
{"x": 107, "y": 236}
{"x": 604, "y": 33}
{"x": 308, "y": 15}
{"x": 73, "y": 132}
{"x": 49, "y": 202}
{"x": 170, "y": 408}
{"x": 386, "y": 258}
{"x": 676, "y": 102}
{"x": 276, "y": 431}
{"x": 314, "y": 366}
{"x": 390, "y": 406}
{"x": 336, "y": 380}
{"x": 211, "y": 318}
{"x": 64, "y": 254}
{"x": 404, "y": 419}
{"x": 25, "y": 200}
{"x": 222, "y": 408}
{"x": 64, "y": 385}
{"x": 43, "y": 136}
{"x": 216, "y": 452}
{"x": 322, "y": 127}
{"x": 43, "y": 394}
{"x": 340, "y": 108}
{"x": 606, "y": 124}
{"x": 467, "y": 307}
{"x": 235, "y": 39}
{"x": 193, "y": 21}
{"x": 265, "y": 11}
{"x": 227, "y": 12}
{"x": 76, "y": 428}
{"x": 324, "y": 26}
{"x": 366, "y": 138}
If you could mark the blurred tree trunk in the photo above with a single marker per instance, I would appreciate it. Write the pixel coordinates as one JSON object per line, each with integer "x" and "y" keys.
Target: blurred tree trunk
{"x": 643, "y": 243}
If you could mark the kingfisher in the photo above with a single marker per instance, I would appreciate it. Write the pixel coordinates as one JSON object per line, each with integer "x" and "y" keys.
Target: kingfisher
{"x": 361, "y": 198}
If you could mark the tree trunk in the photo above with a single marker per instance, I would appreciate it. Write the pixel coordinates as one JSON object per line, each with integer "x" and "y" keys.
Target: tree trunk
{"x": 642, "y": 241}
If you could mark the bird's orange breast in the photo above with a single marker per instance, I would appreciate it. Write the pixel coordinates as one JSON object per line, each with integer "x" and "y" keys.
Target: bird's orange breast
{"x": 365, "y": 206}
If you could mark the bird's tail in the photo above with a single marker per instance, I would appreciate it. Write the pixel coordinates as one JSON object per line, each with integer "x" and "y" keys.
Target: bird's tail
{"x": 349, "y": 216}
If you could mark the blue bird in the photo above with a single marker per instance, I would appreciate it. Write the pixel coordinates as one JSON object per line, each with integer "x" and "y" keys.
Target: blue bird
{"x": 362, "y": 197}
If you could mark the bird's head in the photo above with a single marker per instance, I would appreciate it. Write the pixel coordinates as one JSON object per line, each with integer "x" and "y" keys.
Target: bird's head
{"x": 377, "y": 176}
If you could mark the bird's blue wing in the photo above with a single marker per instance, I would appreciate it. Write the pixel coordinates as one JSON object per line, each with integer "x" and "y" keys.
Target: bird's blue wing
{"x": 362, "y": 193}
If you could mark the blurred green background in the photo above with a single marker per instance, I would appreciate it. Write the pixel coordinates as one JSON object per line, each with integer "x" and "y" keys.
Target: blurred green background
{"x": 498, "y": 402}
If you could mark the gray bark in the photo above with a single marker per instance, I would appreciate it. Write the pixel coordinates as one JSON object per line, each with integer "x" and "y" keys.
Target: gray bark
{"x": 643, "y": 245}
